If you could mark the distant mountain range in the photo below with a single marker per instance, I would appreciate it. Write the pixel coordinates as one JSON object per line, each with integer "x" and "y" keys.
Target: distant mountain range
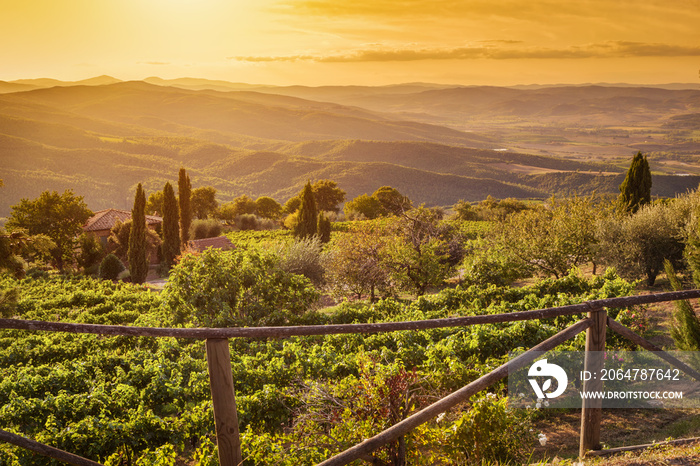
{"x": 437, "y": 144}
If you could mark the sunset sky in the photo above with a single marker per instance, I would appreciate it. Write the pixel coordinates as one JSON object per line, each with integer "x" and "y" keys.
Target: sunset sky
{"x": 370, "y": 42}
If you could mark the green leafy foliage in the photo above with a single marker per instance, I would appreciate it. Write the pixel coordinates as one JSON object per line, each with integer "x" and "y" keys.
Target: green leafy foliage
{"x": 118, "y": 240}
{"x": 235, "y": 288}
{"x": 637, "y": 244}
{"x": 128, "y": 401}
{"x": 110, "y": 267}
{"x": 91, "y": 252}
{"x": 323, "y": 227}
{"x": 204, "y": 203}
{"x": 267, "y": 207}
{"x": 550, "y": 240}
{"x": 384, "y": 201}
{"x": 17, "y": 245}
{"x": 490, "y": 432}
{"x": 303, "y": 257}
{"x": 58, "y": 216}
{"x": 155, "y": 204}
{"x": 209, "y": 228}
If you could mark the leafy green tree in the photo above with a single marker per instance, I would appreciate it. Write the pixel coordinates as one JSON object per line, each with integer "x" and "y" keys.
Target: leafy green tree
{"x": 392, "y": 201}
{"x": 10, "y": 259}
{"x": 184, "y": 188}
{"x": 363, "y": 207}
{"x": 356, "y": 262}
{"x": 235, "y": 288}
{"x": 58, "y": 216}
{"x": 204, "y": 203}
{"x": 327, "y": 195}
{"x": 292, "y": 205}
{"x": 241, "y": 205}
{"x": 306, "y": 224}
{"x": 464, "y": 211}
{"x": 637, "y": 245}
{"x": 267, "y": 207}
{"x": 138, "y": 251}
{"x": 422, "y": 250}
{"x": 550, "y": 240}
{"x": 635, "y": 190}
{"x": 154, "y": 204}
{"x": 91, "y": 252}
{"x": 8, "y": 301}
{"x": 170, "y": 248}
{"x": 17, "y": 245}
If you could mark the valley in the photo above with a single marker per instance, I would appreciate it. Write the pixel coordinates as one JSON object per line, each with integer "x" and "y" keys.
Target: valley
{"x": 437, "y": 144}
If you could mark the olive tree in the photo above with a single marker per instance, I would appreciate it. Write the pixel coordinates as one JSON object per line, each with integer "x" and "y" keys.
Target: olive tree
{"x": 637, "y": 245}
{"x": 356, "y": 262}
{"x": 550, "y": 240}
{"x": 422, "y": 250}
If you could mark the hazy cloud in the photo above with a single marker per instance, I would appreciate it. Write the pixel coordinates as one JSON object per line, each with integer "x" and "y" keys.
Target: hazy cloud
{"x": 540, "y": 10}
{"x": 495, "y": 50}
{"x": 154, "y": 63}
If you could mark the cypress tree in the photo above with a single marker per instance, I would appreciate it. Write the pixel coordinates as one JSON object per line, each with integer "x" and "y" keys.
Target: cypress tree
{"x": 184, "y": 189}
{"x": 138, "y": 258}
{"x": 171, "y": 234}
{"x": 306, "y": 222}
{"x": 635, "y": 190}
{"x": 324, "y": 228}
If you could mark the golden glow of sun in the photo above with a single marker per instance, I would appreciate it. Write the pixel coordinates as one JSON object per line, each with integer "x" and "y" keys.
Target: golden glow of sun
{"x": 364, "y": 41}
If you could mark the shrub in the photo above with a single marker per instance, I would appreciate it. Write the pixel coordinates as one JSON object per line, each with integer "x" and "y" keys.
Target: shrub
{"x": 302, "y": 257}
{"x": 91, "y": 252}
{"x": 235, "y": 288}
{"x": 209, "y": 228}
{"x": 247, "y": 222}
{"x": 485, "y": 269}
{"x": 111, "y": 267}
{"x": 490, "y": 432}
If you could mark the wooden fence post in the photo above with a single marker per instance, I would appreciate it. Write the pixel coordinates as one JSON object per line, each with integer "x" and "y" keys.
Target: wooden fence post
{"x": 591, "y": 408}
{"x": 224, "y": 399}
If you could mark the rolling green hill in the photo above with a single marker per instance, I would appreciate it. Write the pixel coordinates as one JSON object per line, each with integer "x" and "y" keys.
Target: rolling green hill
{"x": 102, "y": 137}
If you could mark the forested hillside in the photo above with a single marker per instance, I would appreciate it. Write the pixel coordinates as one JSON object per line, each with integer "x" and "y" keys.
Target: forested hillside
{"x": 101, "y": 137}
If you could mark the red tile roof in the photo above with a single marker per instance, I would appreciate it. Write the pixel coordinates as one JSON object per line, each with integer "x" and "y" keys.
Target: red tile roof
{"x": 219, "y": 242}
{"x": 106, "y": 219}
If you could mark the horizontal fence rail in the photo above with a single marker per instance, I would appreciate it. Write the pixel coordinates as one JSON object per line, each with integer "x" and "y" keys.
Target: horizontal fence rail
{"x": 45, "y": 450}
{"x": 335, "y": 329}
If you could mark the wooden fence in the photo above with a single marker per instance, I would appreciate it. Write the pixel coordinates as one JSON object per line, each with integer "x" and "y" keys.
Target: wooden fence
{"x": 223, "y": 394}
